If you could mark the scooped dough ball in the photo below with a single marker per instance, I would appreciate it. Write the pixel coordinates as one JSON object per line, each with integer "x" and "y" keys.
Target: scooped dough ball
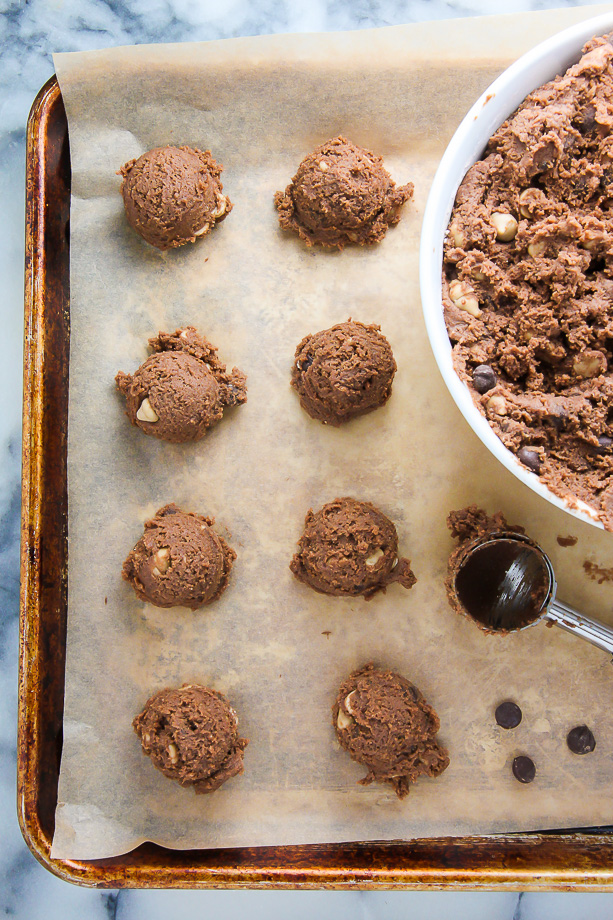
{"x": 350, "y": 548}
{"x": 341, "y": 194}
{"x": 191, "y": 735}
{"x": 343, "y": 372}
{"x": 180, "y": 561}
{"x": 173, "y": 195}
{"x": 179, "y": 392}
{"x": 383, "y": 721}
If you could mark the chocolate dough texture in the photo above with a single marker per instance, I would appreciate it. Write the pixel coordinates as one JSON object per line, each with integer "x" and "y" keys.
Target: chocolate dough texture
{"x": 350, "y": 548}
{"x": 173, "y": 195}
{"x": 179, "y": 561}
{"x": 191, "y": 736}
{"x": 528, "y": 282}
{"x": 341, "y": 194}
{"x": 181, "y": 390}
{"x": 384, "y": 722}
{"x": 343, "y": 372}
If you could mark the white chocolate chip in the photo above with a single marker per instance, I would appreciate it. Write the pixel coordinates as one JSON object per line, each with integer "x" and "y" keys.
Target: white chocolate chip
{"x": 220, "y": 209}
{"x": 524, "y": 203}
{"x": 477, "y": 275}
{"x": 173, "y": 752}
{"x": 372, "y": 560}
{"x": 505, "y": 226}
{"x": 162, "y": 561}
{"x": 457, "y": 236}
{"x": 348, "y": 700}
{"x": 146, "y": 737}
{"x": 202, "y": 230}
{"x": 537, "y": 249}
{"x": 323, "y": 166}
{"x": 497, "y": 405}
{"x": 464, "y": 297}
{"x": 146, "y": 412}
{"x": 354, "y": 237}
{"x": 589, "y": 365}
{"x": 343, "y": 720}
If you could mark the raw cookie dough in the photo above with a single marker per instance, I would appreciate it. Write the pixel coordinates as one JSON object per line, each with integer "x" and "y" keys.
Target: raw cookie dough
{"x": 341, "y": 194}
{"x": 191, "y": 735}
{"x": 343, "y": 372}
{"x": 173, "y": 195}
{"x": 528, "y": 282}
{"x": 179, "y": 392}
{"x": 384, "y": 722}
{"x": 180, "y": 561}
{"x": 349, "y": 548}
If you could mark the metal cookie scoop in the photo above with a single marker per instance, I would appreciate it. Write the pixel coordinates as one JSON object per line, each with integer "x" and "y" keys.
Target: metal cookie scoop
{"x": 505, "y": 582}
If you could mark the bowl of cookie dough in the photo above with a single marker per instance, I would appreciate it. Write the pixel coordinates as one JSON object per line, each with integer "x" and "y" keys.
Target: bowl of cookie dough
{"x": 516, "y": 269}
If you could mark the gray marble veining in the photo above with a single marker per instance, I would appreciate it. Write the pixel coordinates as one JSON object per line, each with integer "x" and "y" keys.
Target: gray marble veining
{"x": 29, "y": 32}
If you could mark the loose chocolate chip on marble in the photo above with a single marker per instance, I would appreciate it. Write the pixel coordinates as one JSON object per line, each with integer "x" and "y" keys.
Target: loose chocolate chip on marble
{"x": 604, "y": 444}
{"x": 529, "y": 458}
{"x": 508, "y": 714}
{"x": 523, "y": 769}
{"x": 581, "y": 740}
{"x": 484, "y": 378}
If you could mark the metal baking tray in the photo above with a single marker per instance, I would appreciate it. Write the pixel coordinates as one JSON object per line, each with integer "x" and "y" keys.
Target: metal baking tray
{"x": 535, "y": 861}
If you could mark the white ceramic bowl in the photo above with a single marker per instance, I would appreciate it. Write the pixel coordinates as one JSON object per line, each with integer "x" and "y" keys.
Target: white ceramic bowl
{"x": 498, "y": 101}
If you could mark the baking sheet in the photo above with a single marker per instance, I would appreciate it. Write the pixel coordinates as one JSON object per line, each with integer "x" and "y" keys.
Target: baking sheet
{"x": 275, "y": 648}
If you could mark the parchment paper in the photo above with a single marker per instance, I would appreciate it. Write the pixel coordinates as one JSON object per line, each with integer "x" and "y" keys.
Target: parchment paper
{"x": 277, "y": 649}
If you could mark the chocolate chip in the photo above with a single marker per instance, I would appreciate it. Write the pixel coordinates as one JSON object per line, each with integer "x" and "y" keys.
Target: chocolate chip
{"x": 581, "y": 740}
{"x": 508, "y": 714}
{"x": 604, "y": 444}
{"x": 529, "y": 458}
{"x": 305, "y": 365}
{"x": 585, "y": 119}
{"x": 484, "y": 378}
{"x": 523, "y": 769}
{"x": 558, "y": 417}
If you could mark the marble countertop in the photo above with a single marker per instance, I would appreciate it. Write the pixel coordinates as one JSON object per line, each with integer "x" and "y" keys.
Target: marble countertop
{"x": 29, "y": 32}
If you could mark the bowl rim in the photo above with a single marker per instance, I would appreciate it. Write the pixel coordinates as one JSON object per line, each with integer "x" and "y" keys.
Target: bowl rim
{"x": 499, "y": 100}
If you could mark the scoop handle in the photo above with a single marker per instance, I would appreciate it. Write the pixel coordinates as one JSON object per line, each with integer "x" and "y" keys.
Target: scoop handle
{"x": 579, "y": 625}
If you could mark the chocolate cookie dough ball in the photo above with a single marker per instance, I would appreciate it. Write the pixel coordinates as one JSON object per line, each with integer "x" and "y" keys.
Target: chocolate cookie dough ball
{"x": 383, "y": 721}
{"x": 350, "y": 548}
{"x": 191, "y": 736}
{"x": 343, "y": 372}
{"x": 341, "y": 194}
{"x": 180, "y": 561}
{"x": 181, "y": 390}
{"x": 173, "y": 195}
